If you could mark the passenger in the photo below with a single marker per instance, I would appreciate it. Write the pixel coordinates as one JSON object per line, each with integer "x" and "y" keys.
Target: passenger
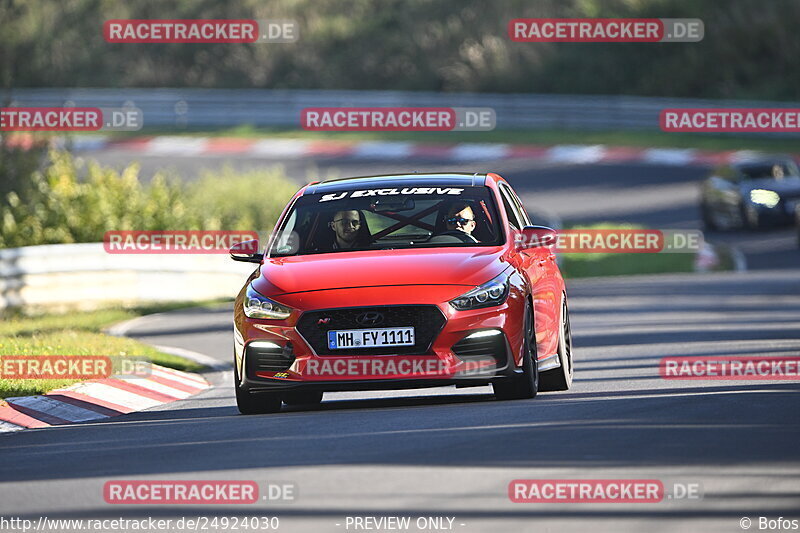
{"x": 460, "y": 217}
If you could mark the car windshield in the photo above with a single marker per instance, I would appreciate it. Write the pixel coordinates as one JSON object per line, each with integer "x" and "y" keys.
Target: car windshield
{"x": 389, "y": 218}
{"x": 775, "y": 170}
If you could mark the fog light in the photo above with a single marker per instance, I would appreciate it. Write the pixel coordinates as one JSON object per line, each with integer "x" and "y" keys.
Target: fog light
{"x": 264, "y": 344}
{"x": 486, "y": 333}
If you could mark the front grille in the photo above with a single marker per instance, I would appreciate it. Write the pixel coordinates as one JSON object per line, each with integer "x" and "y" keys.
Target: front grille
{"x": 482, "y": 347}
{"x": 268, "y": 359}
{"x": 427, "y": 321}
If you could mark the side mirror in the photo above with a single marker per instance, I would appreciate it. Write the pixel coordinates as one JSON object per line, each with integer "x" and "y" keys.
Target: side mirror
{"x": 536, "y": 237}
{"x": 246, "y": 252}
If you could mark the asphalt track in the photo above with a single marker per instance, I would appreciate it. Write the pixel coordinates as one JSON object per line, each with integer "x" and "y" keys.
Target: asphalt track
{"x": 453, "y": 452}
{"x": 447, "y": 452}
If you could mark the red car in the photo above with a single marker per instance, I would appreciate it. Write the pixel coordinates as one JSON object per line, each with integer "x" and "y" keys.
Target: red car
{"x": 406, "y": 281}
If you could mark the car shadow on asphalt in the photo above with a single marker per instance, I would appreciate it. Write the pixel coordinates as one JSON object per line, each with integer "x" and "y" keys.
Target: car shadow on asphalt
{"x": 578, "y": 429}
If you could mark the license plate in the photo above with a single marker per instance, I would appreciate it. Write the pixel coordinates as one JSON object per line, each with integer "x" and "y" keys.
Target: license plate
{"x": 370, "y": 338}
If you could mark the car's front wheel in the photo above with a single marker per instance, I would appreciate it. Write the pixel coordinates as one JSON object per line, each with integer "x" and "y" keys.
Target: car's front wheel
{"x": 751, "y": 219}
{"x": 524, "y": 383}
{"x": 561, "y": 378}
{"x": 797, "y": 221}
{"x": 254, "y": 403}
{"x": 708, "y": 216}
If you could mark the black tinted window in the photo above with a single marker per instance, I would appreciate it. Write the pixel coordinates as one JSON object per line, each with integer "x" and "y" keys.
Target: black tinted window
{"x": 389, "y": 218}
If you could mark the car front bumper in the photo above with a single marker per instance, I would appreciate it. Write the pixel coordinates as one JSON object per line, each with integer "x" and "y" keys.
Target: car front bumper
{"x": 273, "y": 355}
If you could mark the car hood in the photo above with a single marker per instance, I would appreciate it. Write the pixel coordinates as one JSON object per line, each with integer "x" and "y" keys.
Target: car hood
{"x": 788, "y": 186}
{"x": 440, "y": 266}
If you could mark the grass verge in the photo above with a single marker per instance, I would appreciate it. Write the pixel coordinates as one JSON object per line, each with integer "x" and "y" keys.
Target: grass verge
{"x": 583, "y": 265}
{"x": 591, "y": 265}
{"x": 78, "y": 333}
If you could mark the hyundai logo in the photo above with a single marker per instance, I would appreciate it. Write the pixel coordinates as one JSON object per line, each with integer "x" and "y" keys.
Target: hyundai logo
{"x": 370, "y": 318}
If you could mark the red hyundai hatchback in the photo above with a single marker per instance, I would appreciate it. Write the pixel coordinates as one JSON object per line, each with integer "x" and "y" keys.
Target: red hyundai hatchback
{"x": 405, "y": 281}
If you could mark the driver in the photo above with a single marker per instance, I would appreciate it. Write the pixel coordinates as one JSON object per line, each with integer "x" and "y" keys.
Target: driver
{"x": 347, "y": 228}
{"x": 460, "y": 217}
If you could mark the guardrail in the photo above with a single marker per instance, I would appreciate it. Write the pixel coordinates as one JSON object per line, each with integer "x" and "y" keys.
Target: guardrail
{"x": 192, "y": 108}
{"x": 60, "y": 277}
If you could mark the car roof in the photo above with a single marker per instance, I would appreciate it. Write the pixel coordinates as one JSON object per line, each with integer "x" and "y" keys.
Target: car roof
{"x": 398, "y": 180}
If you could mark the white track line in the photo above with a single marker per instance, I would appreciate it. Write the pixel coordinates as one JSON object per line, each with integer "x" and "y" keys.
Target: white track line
{"x": 479, "y": 151}
{"x": 177, "y": 146}
{"x": 197, "y": 357}
{"x": 383, "y": 150}
{"x": 669, "y": 156}
{"x": 279, "y": 148}
{"x": 576, "y": 153}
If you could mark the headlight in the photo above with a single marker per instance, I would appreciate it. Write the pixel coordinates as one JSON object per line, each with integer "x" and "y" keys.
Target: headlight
{"x": 256, "y": 305}
{"x": 491, "y": 293}
{"x": 764, "y": 197}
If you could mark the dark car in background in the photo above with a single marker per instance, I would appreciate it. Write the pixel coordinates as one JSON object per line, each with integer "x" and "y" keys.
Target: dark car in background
{"x": 751, "y": 194}
{"x": 797, "y": 222}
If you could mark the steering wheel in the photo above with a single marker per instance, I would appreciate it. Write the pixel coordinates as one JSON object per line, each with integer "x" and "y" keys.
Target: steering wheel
{"x": 460, "y": 235}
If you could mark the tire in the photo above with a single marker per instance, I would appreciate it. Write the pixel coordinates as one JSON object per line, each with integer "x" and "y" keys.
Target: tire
{"x": 708, "y": 218}
{"x": 523, "y": 385}
{"x": 797, "y": 223}
{"x": 750, "y": 218}
{"x": 255, "y": 403}
{"x": 302, "y": 397}
{"x": 561, "y": 378}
